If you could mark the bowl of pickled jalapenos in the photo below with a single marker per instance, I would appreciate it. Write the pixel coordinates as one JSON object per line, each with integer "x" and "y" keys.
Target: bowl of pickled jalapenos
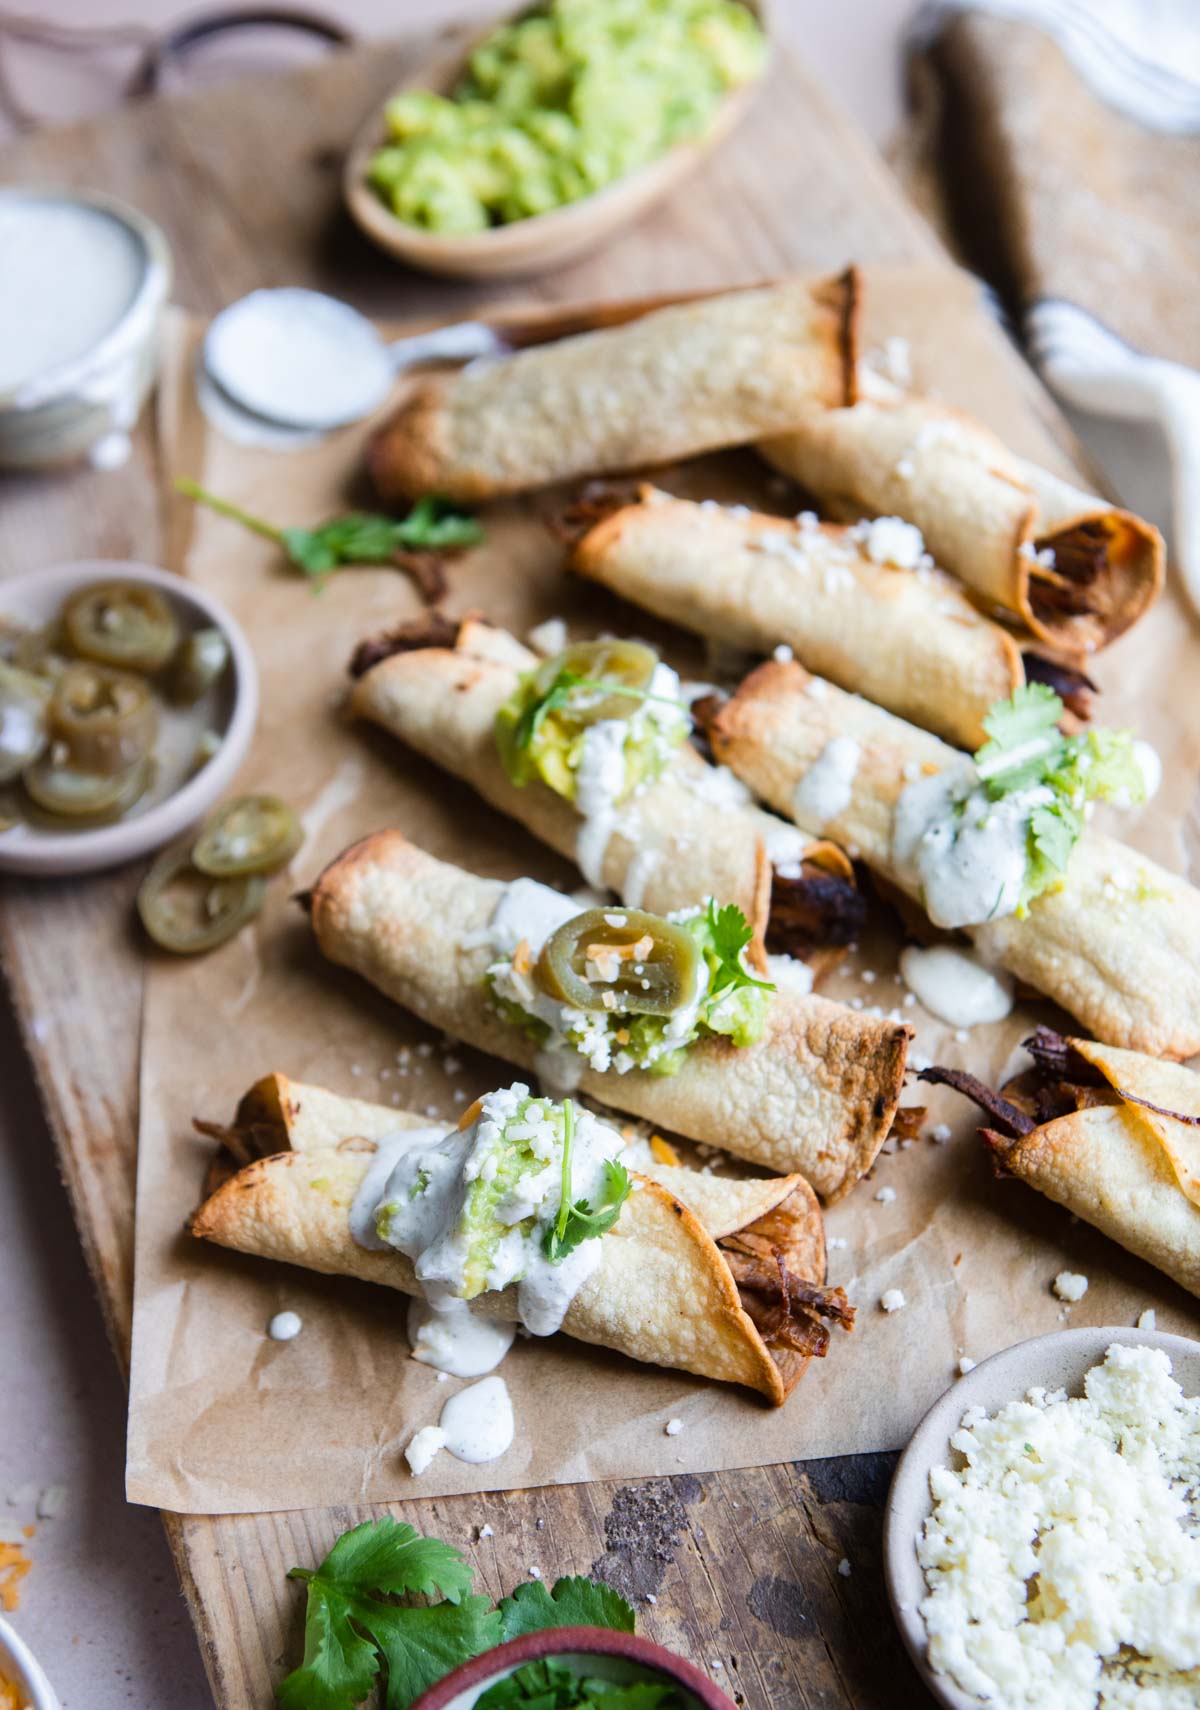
{"x": 127, "y": 701}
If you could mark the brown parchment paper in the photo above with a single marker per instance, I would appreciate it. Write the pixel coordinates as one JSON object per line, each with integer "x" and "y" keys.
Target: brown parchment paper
{"x": 224, "y": 1419}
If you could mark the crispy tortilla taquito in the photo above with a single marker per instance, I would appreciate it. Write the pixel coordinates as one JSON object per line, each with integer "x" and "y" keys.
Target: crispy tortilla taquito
{"x": 722, "y": 371}
{"x": 1077, "y": 570}
{"x": 816, "y": 1093}
{"x": 679, "y": 838}
{"x": 710, "y": 1275}
{"x": 1117, "y": 945}
{"x": 892, "y": 628}
{"x": 1112, "y": 1135}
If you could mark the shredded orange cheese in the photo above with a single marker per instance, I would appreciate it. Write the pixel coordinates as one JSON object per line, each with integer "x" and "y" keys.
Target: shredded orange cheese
{"x": 470, "y": 1114}
{"x": 14, "y": 1565}
{"x": 522, "y": 961}
{"x": 11, "y": 1696}
{"x": 620, "y": 952}
{"x": 663, "y": 1150}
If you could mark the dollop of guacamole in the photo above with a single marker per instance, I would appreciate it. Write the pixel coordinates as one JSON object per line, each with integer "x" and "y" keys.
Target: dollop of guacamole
{"x": 571, "y": 96}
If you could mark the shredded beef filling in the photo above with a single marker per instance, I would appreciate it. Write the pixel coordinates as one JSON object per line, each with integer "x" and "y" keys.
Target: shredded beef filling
{"x": 1078, "y": 585}
{"x": 786, "y": 1310}
{"x": 816, "y": 908}
{"x": 593, "y": 503}
{"x": 433, "y": 630}
{"x": 1072, "y": 687}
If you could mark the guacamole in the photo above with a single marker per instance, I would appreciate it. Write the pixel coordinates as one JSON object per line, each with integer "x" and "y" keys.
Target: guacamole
{"x": 570, "y": 97}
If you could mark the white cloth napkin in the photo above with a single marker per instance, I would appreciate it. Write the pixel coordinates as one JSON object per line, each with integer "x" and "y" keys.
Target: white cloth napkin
{"x": 1141, "y": 57}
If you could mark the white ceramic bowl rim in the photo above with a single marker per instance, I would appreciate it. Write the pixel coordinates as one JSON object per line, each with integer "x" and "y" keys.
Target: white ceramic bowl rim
{"x": 994, "y": 1382}
{"x": 108, "y": 845}
{"x": 31, "y": 1676}
{"x": 135, "y": 320}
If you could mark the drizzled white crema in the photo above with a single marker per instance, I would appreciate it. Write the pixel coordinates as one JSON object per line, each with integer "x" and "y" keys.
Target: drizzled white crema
{"x": 476, "y": 1426}
{"x": 602, "y": 773}
{"x": 954, "y": 984}
{"x": 965, "y": 855}
{"x": 826, "y": 789}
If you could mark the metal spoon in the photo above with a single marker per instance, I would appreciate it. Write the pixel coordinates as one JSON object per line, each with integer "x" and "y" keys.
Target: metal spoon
{"x": 306, "y": 361}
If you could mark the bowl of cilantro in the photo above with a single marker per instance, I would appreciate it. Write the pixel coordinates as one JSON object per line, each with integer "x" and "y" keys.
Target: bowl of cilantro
{"x": 576, "y": 1668}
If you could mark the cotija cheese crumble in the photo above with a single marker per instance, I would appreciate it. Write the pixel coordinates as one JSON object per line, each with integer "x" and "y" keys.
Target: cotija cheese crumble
{"x": 1063, "y": 1560}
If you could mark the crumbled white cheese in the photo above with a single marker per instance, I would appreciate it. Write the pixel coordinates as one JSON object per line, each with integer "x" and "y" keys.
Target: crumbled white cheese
{"x": 1148, "y": 1320}
{"x": 1070, "y": 1285}
{"x": 886, "y": 1195}
{"x": 891, "y": 540}
{"x": 892, "y": 1299}
{"x": 548, "y": 638}
{"x": 673, "y": 1427}
{"x": 1063, "y": 1560}
{"x": 51, "y": 1502}
{"x": 940, "y": 1132}
{"x": 285, "y": 1326}
{"x": 486, "y": 1532}
{"x": 783, "y": 654}
{"x": 425, "y": 1445}
{"x": 844, "y": 1567}
{"x": 965, "y": 1365}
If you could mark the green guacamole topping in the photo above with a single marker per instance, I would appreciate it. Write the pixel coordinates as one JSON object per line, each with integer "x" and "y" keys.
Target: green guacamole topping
{"x": 570, "y": 97}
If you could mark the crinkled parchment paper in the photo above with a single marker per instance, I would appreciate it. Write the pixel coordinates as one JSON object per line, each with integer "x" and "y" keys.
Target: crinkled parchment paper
{"x": 224, "y": 1419}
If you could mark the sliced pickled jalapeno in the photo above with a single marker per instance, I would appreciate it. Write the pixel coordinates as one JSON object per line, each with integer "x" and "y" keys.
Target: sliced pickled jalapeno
{"x": 126, "y": 624}
{"x": 625, "y": 665}
{"x": 254, "y": 834}
{"x": 61, "y": 789}
{"x": 620, "y": 959}
{"x": 187, "y": 911}
{"x": 199, "y": 662}
{"x": 24, "y": 724}
{"x": 106, "y": 718}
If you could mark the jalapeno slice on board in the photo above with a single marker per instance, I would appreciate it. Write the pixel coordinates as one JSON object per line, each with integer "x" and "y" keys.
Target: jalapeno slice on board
{"x": 200, "y": 660}
{"x": 186, "y": 911}
{"x": 68, "y": 793}
{"x": 125, "y": 624}
{"x": 642, "y": 964}
{"x": 24, "y": 725}
{"x": 253, "y": 834}
{"x": 106, "y": 718}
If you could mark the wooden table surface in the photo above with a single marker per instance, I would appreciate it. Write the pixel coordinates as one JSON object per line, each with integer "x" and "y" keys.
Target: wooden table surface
{"x": 744, "y": 1565}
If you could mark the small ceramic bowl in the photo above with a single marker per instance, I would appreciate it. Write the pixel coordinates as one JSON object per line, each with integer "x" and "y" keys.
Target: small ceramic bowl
{"x": 1060, "y": 1361}
{"x": 71, "y": 409}
{"x": 172, "y": 806}
{"x": 19, "y": 1665}
{"x": 620, "y": 1657}
{"x": 542, "y": 240}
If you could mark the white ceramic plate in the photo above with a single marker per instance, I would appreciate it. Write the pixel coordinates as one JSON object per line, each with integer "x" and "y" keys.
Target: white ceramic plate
{"x": 34, "y": 599}
{"x": 1059, "y": 1361}
{"x": 18, "y": 1663}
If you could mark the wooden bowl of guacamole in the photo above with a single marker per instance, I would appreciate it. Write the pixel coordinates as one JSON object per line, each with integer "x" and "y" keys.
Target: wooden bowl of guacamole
{"x": 555, "y": 128}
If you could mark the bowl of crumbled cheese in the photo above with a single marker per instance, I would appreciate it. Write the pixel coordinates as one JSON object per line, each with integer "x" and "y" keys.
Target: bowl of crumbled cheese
{"x": 1042, "y": 1544}
{"x": 23, "y": 1682}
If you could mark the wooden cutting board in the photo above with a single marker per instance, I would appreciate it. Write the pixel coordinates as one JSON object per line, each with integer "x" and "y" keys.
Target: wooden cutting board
{"x": 244, "y": 179}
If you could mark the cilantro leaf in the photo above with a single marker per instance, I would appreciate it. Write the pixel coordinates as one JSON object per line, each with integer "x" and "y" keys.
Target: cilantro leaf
{"x": 731, "y": 933}
{"x": 583, "y": 1221}
{"x": 351, "y": 1623}
{"x": 550, "y": 1685}
{"x": 1025, "y": 739}
{"x": 563, "y": 686}
{"x": 358, "y": 537}
{"x": 572, "y": 1602}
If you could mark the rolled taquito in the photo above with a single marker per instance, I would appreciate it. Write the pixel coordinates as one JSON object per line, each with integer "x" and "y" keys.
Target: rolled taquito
{"x": 722, "y": 371}
{"x": 690, "y": 833}
{"x": 1117, "y": 944}
{"x": 1112, "y": 1135}
{"x": 725, "y": 1282}
{"x": 1077, "y": 570}
{"x": 862, "y": 605}
{"x": 816, "y": 1093}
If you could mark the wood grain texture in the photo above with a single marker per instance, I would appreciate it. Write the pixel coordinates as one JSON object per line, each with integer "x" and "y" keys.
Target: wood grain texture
{"x": 244, "y": 179}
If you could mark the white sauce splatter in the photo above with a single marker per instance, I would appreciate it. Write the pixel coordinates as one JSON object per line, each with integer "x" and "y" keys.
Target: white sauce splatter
{"x": 827, "y": 788}
{"x": 599, "y": 786}
{"x": 478, "y": 1422}
{"x": 454, "y": 1339}
{"x": 965, "y": 854}
{"x": 954, "y": 985}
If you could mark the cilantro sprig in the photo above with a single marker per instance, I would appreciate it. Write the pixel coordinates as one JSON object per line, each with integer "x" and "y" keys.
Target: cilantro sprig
{"x": 565, "y": 685}
{"x": 731, "y": 933}
{"x": 1027, "y": 750}
{"x": 550, "y": 1685}
{"x": 577, "y": 1221}
{"x": 358, "y": 537}
{"x": 357, "y": 1634}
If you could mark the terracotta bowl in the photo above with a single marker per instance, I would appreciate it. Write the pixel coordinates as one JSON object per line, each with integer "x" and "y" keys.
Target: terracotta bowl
{"x": 19, "y": 1665}
{"x": 1059, "y": 1361}
{"x": 543, "y": 240}
{"x": 626, "y": 1657}
{"x": 33, "y": 599}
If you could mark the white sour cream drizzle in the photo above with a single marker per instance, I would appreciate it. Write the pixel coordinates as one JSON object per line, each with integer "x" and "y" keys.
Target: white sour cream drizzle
{"x": 826, "y": 788}
{"x": 454, "y": 1339}
{"x": 954, "y": 985}
{"x": 476, "y": 1426}
{"x": 968, "y": 863}
{"x": 370, "y": 1192}
{"x": 601, "y": 776}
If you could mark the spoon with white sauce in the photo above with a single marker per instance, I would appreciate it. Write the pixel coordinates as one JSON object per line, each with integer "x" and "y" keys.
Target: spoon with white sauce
{"x": 302, "y": 360}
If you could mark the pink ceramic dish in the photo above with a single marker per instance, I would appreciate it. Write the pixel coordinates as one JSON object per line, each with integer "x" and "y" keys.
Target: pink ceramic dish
{"x": 34, "y": 599}
{"x": 619, "y": 1656}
